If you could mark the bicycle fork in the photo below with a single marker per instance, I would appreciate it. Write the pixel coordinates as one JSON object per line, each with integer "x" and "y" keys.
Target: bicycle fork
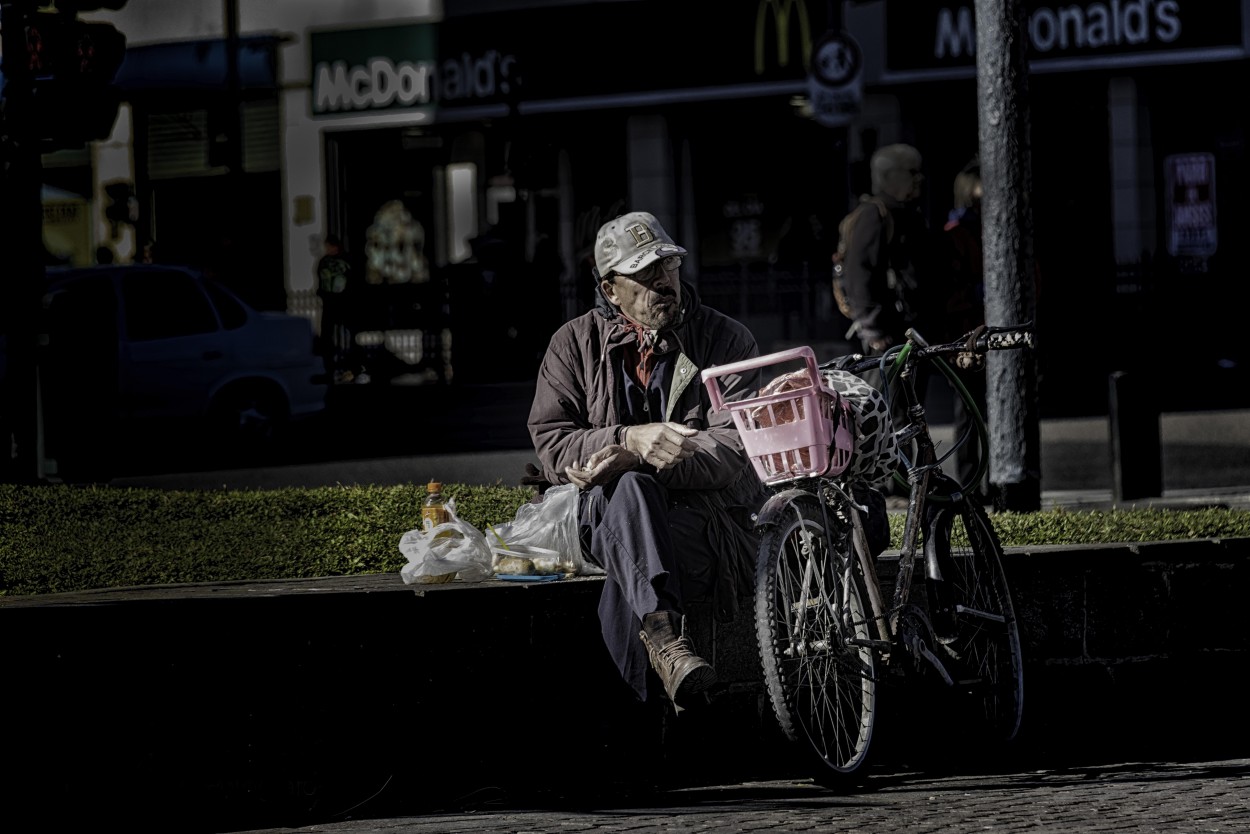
{"x": 828, "y": 634}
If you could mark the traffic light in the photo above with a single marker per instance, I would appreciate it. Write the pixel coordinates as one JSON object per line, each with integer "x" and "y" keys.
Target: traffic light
{"x": 59, "y": 72}
{"x": 56, "y": 46}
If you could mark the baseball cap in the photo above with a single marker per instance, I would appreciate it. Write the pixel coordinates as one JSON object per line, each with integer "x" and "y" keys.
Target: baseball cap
{"x": 631, "y": 242}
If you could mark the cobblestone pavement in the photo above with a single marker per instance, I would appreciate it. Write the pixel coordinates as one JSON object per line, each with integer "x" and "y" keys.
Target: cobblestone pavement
{"x": 1176, "y": 798}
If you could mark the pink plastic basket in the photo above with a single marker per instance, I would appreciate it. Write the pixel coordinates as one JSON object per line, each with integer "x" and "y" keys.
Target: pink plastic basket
{"x": 799, "y": 430}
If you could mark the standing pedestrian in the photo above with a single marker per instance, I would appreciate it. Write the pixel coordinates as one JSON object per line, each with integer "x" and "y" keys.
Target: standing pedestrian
{"x": 964, "y": 310}
{"x": 886, "y": 271}
{"x": 885, "y": 265}
{"x": 334, "y": 288}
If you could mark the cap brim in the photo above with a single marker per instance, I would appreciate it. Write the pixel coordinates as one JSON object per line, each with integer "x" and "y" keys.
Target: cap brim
{"x": 643, "y": 259}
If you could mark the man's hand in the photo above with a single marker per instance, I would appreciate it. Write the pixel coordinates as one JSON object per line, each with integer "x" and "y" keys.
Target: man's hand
{"x": 661, "y": 444}
{"x": 535, "y": 478}
{"x": 603, "y": 466}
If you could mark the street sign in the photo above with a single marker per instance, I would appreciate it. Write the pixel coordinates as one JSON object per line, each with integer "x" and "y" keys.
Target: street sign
{"x": 835, "y": 85}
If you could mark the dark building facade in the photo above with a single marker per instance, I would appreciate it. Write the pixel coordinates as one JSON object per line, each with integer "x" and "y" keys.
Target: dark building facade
{"x": 469, "y": 156}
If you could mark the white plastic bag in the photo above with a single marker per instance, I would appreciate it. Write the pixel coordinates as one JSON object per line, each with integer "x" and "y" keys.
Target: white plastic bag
{"x": 550, "y": 523}
{"x": 442, "y": 552}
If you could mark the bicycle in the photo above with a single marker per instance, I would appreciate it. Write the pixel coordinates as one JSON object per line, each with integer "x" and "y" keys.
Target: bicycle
{"x": 827, "y": 636}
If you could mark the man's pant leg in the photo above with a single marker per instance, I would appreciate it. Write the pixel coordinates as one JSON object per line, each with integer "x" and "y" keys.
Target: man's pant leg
{"x": 624, "y": 530}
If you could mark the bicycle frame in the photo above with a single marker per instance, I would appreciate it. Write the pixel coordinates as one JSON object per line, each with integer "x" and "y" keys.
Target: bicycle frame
{"x": 901, "y": 374}
{"x": 918, "y": 476}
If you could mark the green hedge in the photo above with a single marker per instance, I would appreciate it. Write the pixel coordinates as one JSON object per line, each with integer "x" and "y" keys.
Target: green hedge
{"x": 68, "y": 538}
{"x": 65, "y": 538}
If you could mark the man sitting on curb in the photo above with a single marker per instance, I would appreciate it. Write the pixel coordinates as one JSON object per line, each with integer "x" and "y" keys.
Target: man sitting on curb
{"x": 666, "y": 490}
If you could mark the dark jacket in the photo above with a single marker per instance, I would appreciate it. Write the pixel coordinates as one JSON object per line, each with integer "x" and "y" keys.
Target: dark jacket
{"x": 577, "y": 411}
{"x": 965, "y": 275}
{"x": 888, "y": 279}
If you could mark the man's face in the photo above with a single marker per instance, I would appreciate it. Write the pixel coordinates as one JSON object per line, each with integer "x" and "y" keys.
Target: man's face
{"x": 651, "y": 296}
{"x": 904, "y": 179}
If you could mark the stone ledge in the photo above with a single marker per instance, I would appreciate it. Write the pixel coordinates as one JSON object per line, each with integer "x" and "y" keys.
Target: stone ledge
{"x": 256, "y": 699}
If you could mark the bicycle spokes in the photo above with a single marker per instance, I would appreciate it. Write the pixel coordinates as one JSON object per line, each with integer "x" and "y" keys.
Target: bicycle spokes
{"x": 811, "y": 624}
{"x": 973, "y": 617}
{"x": 821, "y": 618}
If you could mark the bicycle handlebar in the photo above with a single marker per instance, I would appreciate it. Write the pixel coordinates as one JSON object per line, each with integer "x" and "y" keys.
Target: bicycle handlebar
{"x": 1005, "y": 338}
{"x": 967, "y": 351}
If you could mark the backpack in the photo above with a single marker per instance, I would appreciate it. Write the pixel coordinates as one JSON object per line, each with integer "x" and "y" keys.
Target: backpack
{"x": 845, "y": 228}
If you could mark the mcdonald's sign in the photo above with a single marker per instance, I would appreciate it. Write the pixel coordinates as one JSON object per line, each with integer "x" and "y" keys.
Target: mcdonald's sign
{"x": 780, "y": 12}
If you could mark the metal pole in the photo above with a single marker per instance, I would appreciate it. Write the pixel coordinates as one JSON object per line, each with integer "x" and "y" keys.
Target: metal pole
{"x": 233, "y": 90}
{"x": 21, "y": 239}
{"x": 1011, "y": 375}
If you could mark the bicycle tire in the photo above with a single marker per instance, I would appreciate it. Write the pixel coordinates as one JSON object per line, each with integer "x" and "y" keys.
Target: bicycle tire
{"x": 819, "y": 671}
{"x": 974, "y": 619}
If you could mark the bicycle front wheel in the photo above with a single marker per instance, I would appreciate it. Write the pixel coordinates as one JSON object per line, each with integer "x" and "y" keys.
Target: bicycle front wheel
{"x": 973, "y": 618}
{"x": 813, "y": 636}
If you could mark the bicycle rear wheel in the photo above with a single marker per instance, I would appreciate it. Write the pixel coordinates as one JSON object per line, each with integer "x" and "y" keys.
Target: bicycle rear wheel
{"x": 973, "y": 617}
{"x": 812, "y": 628}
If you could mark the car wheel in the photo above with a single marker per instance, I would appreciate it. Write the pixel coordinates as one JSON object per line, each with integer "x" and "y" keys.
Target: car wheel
{"x": 249, "y": 420}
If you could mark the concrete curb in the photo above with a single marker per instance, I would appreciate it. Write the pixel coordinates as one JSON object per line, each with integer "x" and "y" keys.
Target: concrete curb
{"x": 281, "y": 702}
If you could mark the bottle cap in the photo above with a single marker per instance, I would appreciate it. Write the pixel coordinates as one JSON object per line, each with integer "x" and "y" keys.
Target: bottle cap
{"x": 434, "y": 486}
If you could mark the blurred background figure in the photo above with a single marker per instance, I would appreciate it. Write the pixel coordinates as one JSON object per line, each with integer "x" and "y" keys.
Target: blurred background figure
{"x": 887, "y": 263}
{"x": 965, "y": 306}
{"x": 334, "y": 288}
{"x": 887, "y": 268}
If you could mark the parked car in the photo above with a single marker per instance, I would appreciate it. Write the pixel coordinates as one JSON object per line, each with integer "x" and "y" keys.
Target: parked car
{"x": 161, "y": 353}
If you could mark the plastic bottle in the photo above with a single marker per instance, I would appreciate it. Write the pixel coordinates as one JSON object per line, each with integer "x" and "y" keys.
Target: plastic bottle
{"x": 434, "y": 510}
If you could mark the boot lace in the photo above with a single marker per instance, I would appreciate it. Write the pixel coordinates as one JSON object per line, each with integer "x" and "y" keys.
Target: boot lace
{"x": 668, "y": 656}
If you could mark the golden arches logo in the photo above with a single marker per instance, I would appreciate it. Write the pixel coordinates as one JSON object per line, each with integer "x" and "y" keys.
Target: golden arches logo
{"x": 781, "y": 11}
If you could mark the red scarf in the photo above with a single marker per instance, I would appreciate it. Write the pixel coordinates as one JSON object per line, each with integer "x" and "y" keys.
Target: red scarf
{"x": 640, "y": 353}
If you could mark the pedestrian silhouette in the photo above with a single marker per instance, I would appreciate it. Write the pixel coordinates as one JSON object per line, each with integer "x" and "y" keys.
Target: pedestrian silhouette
{"x": 964, "y": 308}
{"x": 334, "y": 288}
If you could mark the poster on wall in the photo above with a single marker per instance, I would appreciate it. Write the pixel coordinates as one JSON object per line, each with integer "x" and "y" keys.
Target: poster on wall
{"x": 1189, "y": 180}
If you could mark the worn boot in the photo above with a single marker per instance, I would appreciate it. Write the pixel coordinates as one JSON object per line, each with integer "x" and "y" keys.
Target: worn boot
{"x": 683, "y": 673}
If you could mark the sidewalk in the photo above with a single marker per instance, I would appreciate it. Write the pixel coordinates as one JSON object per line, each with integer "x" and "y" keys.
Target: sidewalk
{"x": 1205, "y": 459}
